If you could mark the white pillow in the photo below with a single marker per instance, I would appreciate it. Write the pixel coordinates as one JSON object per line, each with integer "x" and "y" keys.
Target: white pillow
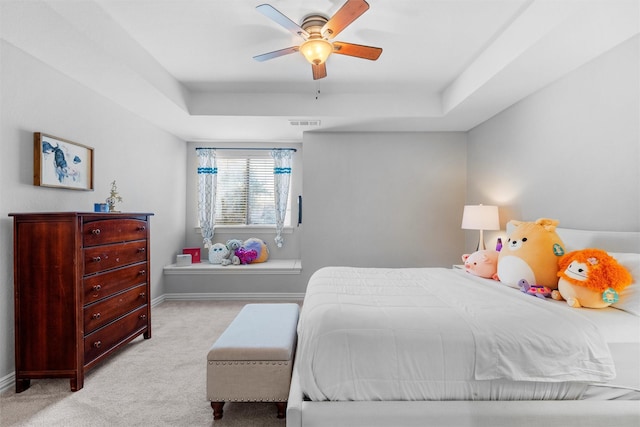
{"x": 630, "y": 296}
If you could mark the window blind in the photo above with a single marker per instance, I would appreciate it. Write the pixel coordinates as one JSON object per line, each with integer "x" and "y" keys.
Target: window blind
{"x": 244, "y": 194}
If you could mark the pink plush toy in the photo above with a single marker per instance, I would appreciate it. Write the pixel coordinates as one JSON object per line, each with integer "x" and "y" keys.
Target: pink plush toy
{"x": 482, "y": 263}
{"x": 246, "y": 256}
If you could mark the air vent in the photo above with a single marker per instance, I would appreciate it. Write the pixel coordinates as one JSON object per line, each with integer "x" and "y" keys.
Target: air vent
{"x": 304, "y": 122}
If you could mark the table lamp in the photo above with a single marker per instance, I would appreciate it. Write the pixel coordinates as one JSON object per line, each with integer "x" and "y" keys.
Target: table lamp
{"x": 480, "y": 217}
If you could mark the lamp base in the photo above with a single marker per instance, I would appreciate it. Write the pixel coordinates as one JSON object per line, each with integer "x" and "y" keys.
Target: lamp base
{"x": 481, "y": 246}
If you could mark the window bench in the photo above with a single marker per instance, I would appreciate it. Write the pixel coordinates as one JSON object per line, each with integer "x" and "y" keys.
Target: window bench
{"x": 272, "y": 266}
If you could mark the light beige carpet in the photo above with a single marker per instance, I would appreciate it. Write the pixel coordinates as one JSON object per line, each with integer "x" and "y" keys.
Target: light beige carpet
{"x": 155, "y": 382}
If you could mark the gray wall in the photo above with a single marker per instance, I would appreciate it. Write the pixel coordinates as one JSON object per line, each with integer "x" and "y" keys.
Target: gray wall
{"x": 148, "y": 165}
{"x": 570, "y": 151}
{"x": 383, "y": 199}
{"x": 369, "y": 199}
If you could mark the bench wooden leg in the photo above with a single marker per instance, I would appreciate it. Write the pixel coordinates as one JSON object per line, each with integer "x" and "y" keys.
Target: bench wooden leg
{"x": 282, "y": 409}
{"x": 217, "y": 409}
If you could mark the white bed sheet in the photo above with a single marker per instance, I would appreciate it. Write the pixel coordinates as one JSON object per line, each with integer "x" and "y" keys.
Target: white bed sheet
{"x": 443, "y": 334}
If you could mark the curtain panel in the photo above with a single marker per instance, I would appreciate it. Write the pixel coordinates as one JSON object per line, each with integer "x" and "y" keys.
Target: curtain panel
{"x": 207, "y": 182}
{"x": 281, "y": 181}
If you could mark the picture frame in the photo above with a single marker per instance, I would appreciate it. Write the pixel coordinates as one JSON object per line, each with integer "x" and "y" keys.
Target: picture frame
{"x": 61, "y": 163}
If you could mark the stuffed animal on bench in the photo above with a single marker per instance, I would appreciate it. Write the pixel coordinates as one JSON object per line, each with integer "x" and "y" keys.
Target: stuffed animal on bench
{"x": 231, "y": 257}
{"x": 218, "y": 252}
{"x": 252, "y": 250}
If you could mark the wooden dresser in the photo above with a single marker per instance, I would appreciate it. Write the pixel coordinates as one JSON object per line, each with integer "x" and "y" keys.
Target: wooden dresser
{"x": 81, "y": 287}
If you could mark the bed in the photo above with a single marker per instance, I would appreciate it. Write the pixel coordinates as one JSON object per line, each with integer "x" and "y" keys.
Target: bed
{"x": 436, "y": 346}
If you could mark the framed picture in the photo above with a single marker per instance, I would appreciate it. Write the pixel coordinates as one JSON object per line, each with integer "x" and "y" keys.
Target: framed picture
{"x": 61, "y": 163}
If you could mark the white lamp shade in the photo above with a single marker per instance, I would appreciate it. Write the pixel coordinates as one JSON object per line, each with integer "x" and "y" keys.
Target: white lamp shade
{"x": 480, "y": 217}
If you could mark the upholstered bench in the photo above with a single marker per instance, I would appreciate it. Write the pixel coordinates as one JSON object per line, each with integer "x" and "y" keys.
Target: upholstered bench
{"x": 252, "y": 360}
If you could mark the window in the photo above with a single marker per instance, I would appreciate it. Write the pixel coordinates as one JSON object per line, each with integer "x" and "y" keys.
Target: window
{"x": 245, "y": 191}
{"x": 244, "y": 194}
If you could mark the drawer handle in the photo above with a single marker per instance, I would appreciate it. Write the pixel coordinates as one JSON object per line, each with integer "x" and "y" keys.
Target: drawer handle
{"x": 97, "y": 288}
{"x": 143, "y": 294}
{"x": 97, "y": 259}
{"x": 96, "y": 315}
{"x": 142, "y": 272}
{"x": 142, "y": 317}
{"x": 95, "y": 231}
{"x": 142, "y": 249}
{"x": 97, "y": 344}
{"x": 142, "y": 228}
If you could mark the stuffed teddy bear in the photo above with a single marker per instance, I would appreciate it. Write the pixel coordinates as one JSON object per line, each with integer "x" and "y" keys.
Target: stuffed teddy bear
{"x": 217, "y": 252}
{"x": 590, "y": 278}
{"x": 262, "y": 252}
{"x": 231, "y": 257}
{"x": 483, "y": 263}
{"x": 531, "y": 253}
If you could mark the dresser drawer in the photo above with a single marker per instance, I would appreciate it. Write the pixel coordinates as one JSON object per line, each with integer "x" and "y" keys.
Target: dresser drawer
{"x": 104, "y": 339}
{"x": 112, "y": 231}
{"x": 102, "y": 285}
{"x": 101, "y": 258}
{"x": 103, "y": 312}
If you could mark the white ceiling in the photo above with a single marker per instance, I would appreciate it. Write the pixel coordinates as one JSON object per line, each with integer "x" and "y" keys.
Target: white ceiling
{"x": 186, "y": 65}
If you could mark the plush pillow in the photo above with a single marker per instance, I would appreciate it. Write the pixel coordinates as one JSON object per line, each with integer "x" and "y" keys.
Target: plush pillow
{"x": 630, "y": 296}
{"x": 482, "y": 263}
{"x": 531, "y": 253}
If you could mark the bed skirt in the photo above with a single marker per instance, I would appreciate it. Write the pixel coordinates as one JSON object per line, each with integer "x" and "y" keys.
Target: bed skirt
{"x": 559, "y": 413}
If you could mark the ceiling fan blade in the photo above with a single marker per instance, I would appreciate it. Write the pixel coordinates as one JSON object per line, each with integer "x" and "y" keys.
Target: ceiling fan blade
{"x": 277, "y": 16}
{"x": 357, "y": 50}
{"x": 348, "y": 13}
{"x": 319, "y": 71}
{"x": 275, "y": 54}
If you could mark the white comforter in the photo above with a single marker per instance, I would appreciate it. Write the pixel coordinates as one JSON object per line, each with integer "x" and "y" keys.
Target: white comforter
{"x": 420, "y": 334}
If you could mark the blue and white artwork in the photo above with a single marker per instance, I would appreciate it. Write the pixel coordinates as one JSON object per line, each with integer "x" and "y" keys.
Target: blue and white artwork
{"x": 64, "y": 164}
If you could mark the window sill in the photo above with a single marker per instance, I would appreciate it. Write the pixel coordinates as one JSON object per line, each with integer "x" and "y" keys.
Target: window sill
{"x": 246, "y": 229}
{"x": 273, "y": 266}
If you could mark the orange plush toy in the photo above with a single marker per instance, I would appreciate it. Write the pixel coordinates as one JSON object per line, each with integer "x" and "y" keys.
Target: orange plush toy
{"x": 531, "y": 253}
{"x": 590, "y": 278}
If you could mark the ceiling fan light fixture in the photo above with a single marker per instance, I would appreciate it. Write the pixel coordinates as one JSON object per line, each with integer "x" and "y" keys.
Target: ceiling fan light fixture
{"x": 318, "y": 31}
{"x": 316, "y": 51}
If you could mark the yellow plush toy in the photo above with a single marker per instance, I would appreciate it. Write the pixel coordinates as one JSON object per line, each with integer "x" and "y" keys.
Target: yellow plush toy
{"x": 531, "y": 253}
{"x": 590, "y": 278}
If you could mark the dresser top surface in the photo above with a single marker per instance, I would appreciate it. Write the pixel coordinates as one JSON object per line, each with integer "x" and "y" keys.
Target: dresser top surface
{"x": 83, "y": 214}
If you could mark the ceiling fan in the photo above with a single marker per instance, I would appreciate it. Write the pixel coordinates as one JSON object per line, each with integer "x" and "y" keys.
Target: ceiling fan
{"x": 318, "y": 31}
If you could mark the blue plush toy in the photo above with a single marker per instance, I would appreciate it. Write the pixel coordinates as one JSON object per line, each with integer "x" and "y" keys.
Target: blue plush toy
{"x": 231, "y": 257}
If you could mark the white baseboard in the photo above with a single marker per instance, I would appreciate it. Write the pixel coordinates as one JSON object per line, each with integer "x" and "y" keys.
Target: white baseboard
{"x": 158, "y": 300}
{"x": 226, "y": 296}
{"x": 7, "y": 382}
